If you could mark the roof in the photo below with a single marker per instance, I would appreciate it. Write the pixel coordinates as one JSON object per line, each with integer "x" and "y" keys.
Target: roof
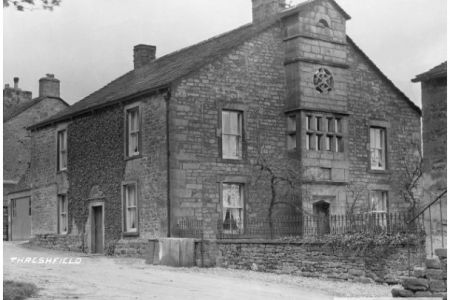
{"x": 439, "y": 71}
{"x": 17, "y": 110}
{"x": 386, "y": 79}
{"x": 304, "y": 5}
{"x": 159, "y": 74}
{"x": 163, "y": 71}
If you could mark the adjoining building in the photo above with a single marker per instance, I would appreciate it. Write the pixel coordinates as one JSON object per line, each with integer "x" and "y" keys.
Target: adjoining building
{"x": 185, "y": 135}
{"x": 20, "y": 110}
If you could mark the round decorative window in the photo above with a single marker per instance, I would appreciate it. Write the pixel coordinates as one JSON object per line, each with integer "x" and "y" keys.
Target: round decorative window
{"x": 323, "y": 80}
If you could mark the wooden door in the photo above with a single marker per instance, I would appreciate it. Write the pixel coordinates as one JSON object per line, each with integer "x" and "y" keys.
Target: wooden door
{"x": 98, "y": 229}
{"x": 20, "y": 219}
{"x": 322, "y": 214}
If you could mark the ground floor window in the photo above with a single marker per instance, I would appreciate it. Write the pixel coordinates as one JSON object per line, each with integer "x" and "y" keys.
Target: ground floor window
{"x": 130, "y": 208}
{"x": 378, "y": 207}
{"x": 62, "y": 214}
{"x": 233, "y": 208}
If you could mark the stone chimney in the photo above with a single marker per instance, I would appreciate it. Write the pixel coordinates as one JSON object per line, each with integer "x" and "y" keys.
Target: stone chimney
{"x": 263, "y": 9}
{"x": 143, "y": 55}
{"x": 16, "y": 83}
{"x": 49, "y": 86}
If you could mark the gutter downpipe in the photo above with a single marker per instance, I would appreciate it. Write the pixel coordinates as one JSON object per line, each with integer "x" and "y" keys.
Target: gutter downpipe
{"x": 167, "y": 97}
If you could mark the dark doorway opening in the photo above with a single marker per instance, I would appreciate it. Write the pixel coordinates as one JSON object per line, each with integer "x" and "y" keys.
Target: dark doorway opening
{"x": 321, "y": 211}
{"x": 97, "y": 229}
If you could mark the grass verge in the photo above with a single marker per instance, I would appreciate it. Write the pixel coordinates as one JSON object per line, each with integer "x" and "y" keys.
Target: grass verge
{"x": 14, "y": 290}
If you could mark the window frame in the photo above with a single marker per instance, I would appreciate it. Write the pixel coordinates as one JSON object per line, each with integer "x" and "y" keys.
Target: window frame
{"x": 129, "y": 109}
{"x": 61, "y": 152}
{"x": 124, "y": 189}
{"x": 384, "y": 148}
{"x": 242, "y": 191}
{"x": 292, "y": 132}
{"x": 323, "y": 127}
{"x": 384, "y": 197}
{"x": 242, "y": 110}
{"x": 60, "y": 197}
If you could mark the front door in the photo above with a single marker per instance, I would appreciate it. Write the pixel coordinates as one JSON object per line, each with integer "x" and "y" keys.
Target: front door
{"x": 322, "y": 215}
{"x": 20, "y": 219}
{"x": 97, "y": 229}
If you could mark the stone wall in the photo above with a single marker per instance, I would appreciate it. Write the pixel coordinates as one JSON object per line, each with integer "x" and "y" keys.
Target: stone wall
{"x": 58, "y": 242}
{"x": 430, "y": 281}
{"x": 308, "y": 259}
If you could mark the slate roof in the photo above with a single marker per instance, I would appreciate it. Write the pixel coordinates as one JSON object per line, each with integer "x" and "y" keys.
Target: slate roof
{"x": 436, "y": 72}
{"x": 304, "y": 5}
{"x": 159, "y": 74}
{"x": 17, "y": 110}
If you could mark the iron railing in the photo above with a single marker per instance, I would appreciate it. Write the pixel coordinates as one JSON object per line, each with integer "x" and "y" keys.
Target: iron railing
{"x": 304, "y": 225}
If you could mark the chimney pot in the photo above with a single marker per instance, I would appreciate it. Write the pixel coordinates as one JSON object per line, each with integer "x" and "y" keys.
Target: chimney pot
{"x": 143, "y": 55}
{"x": 49, "y": 86}
{"x": 16, "y": 82}
{"x": 6, "y": 85}
{"x": 263, "y": 9}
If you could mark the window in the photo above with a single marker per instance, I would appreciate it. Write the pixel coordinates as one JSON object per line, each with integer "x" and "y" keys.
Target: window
{"x": 62, "y": 214}
{"x": 377, "y": 148}
{"x": 323, "y": 23}
{"x": 324, "y": 133}
{"x": 233, "y": 208}
{"x": 291, "y": 132}
{"x": 378, "y": 201}
{"x": 62, "y": 150}
{"x": 130, "y": 222}
{"x": 133, "y": 132}
{"x": 231, "y": 134}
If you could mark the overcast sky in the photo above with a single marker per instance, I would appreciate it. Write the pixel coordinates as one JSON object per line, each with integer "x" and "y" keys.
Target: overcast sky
{"x": 88, "y": 43}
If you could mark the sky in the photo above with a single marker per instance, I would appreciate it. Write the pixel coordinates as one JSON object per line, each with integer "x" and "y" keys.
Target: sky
{"x": 88, "y": 43}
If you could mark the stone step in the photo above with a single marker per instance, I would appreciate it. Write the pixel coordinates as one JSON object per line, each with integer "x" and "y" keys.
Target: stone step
{"x": 433, "y": 263}
{"x": 441, "y": 253}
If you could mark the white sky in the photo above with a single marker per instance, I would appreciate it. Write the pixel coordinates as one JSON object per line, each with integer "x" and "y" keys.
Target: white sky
{"x": 88, "y": 43}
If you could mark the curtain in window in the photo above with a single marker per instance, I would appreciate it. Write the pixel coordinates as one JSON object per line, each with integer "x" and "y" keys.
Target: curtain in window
{"x": 377, "y": 148}
{"x": 378, "y": 201}
{"x": 133, "y": 134}
{"x": 232, "y": 207}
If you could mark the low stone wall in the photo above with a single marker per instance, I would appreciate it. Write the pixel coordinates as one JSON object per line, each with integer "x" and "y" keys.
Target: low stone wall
{"x": 309, "y": 259}
{"x": 428, "y": 281}
{"x": 59, "y": 242}
{"x": 131, "y": 248}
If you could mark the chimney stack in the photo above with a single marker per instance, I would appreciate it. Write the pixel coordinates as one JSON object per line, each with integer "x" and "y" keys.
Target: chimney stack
{"x": 264, "y": 9}
{"x": 16, "y": 83}
{"x": 143, "y": 55}
{"x": 49, "y": 86}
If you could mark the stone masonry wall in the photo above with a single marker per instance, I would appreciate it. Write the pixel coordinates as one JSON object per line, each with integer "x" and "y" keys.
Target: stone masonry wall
{"x": 308, "y": 259}
{"x": 250, "y": 79}
{"x": 96, "y": 162}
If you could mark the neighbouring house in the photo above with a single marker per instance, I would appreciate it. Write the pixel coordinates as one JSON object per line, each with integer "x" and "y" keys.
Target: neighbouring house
{"x": 19, "y": 112}
{"x": 193, "y": 134}
{"x": 434, "y": 107}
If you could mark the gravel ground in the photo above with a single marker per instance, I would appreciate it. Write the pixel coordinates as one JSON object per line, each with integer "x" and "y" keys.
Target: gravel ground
{"x": 99, "y": 277}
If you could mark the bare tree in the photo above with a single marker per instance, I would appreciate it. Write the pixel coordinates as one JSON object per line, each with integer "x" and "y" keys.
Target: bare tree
{"x": 22, "y": 5}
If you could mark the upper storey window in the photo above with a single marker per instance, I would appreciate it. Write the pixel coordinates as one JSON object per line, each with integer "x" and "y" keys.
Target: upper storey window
{"x": 133, "y": 137}
{"x": 231, "y": 134}
{"x": 62, "y": 150}
{"x": 324, "y": 133}
{"x": 377, "y": 148}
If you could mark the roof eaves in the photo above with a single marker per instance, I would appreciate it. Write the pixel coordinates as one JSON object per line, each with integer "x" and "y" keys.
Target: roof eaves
{"x": 439, "y": 71}
{"x": 410, "y": 102}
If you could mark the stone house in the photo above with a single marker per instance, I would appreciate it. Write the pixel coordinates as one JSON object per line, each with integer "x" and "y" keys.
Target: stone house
{"x": 20, "y": 110}
{"x": 434, "y": 106}
{"x": 181, "y": 136}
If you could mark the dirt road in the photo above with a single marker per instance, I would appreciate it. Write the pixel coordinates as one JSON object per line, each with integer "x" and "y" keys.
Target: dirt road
{"x": 97, "y": 277}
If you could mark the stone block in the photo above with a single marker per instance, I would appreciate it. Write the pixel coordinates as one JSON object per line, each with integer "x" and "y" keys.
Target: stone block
{"x": 423, "y": 294}
{"x": 400, "y": 293}
{"x": 419, "y": 272}
{"x": 434, "y": 274}
{"x": 438, "y": 286}
{"x": 433, "y": 263}
{"x": 441, "y": 253}
{"x": 415, "y": 284}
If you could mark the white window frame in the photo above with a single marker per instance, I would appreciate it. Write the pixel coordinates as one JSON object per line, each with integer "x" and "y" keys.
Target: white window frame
{"x": 128, "y": 208}
{"x": 226, "y": 209}
{"x": 63, "y": 214}
{"x": 377, "y": 150}
{"x": 238, "y": 135}
{"x": 61, "y": 139}
{"x": 133, "y": 133}
{"x": 384, "y": 199}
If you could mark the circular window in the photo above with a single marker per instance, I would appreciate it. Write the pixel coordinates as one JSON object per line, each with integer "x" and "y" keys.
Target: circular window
{"x": 323, "y": 81}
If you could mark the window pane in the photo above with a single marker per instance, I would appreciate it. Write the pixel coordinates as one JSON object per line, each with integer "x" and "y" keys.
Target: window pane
{"x": 233, "y": 204}
{"x": 338, "y": 125}
{"x": 232, "y": 196}
{"x": 329, "y": 125}
{"x": 131, "y": 195}
{"x": 377, "y": 148}
{"x": 231, "y": 122}
{"x": 131, "y": 219}
{"x": 291, "y": 123}
{"x": 378, "y": 201}
{"x": 231, "y": 146}
{"x": 318, "y": 123}
{"x": 328, "y": 140}
{"x": 318, "y": 142}
{"x": 308, "y": 122}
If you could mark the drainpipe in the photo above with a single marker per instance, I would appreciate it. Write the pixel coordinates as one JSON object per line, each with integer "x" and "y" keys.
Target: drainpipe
{"x": 167, "y": 97}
